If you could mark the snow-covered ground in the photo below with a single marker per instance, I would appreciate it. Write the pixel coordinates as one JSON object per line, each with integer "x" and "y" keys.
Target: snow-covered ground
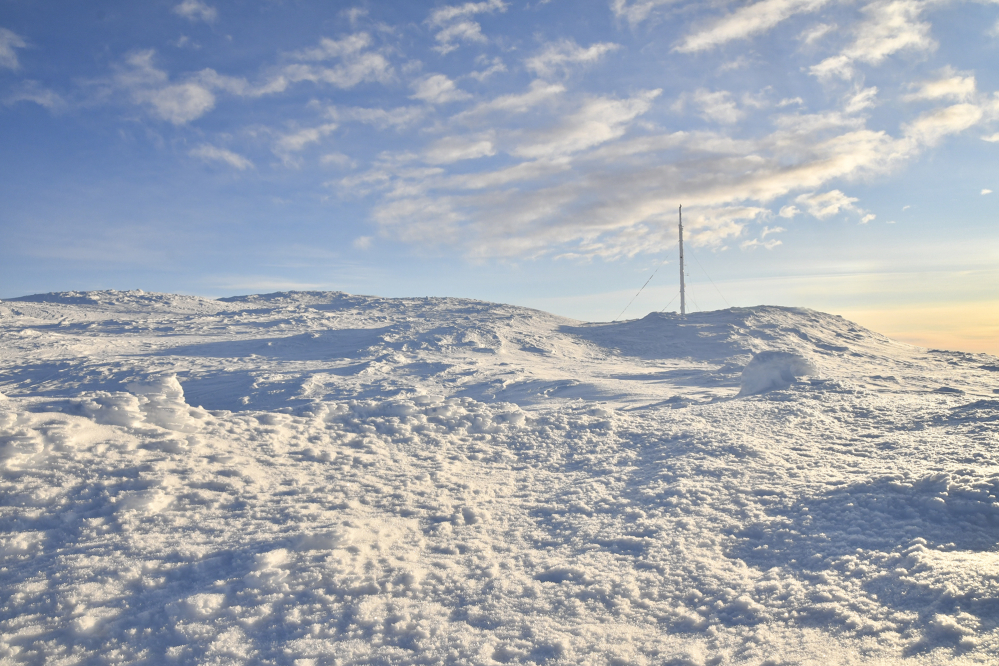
{"x": 319, "y": 478}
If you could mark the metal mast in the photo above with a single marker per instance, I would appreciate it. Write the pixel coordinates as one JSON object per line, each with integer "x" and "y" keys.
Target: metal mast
{"x": 683, "y": 297}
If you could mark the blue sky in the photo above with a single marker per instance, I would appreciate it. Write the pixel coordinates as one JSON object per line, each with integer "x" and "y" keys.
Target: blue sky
{"x": 831, "y": 154}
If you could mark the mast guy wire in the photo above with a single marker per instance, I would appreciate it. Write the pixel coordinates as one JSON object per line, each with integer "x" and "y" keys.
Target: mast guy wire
{"x": 646, "y": 284}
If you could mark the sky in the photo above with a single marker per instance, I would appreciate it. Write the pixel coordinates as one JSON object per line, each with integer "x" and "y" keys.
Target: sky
{"x": 837, "y": 155}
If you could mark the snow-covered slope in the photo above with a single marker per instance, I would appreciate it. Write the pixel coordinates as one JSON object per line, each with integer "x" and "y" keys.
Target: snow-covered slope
{"x": 320, "y": 478}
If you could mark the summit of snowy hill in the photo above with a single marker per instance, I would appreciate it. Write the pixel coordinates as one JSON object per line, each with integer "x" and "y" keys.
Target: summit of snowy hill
{"x": 325, "y": 478}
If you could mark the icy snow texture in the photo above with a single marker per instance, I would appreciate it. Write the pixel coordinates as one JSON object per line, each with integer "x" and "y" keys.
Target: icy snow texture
{"x": 319, "y": 478}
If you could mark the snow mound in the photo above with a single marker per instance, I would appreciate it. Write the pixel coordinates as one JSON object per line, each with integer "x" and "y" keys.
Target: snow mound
{"x": 158, "y": 401}
{"x": 774, "y": 370}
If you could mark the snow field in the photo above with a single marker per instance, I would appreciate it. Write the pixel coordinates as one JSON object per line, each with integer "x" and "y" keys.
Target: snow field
{"x": 627, "y": 507}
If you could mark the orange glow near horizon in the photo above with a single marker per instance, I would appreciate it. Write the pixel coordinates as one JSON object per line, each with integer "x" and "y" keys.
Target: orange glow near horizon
{"x": 968, "y": 327}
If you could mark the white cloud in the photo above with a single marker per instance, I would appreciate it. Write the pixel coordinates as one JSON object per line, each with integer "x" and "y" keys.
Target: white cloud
{"x": 454, "y": 24}
{"x": 299, "y": 140}
{"x": 178, "y": 103}
{"x": 448, "y": 13}
{"x": 992, "y": 138}
{"x": 599, "y": 120}
{"x": 559, "y": 56}
{"x": 211, "y": 153}
{"x": 715, "y": 106}
{"x": 867, "y": 218}
{"x": 816, "y": 32}
{"x": 456, "y": 148}
{"x": 929, "y": 128}
{"x": 755, "y": 243}
{"x": 538, "y": 93}
{"x": 437, "y": 89}
{"x": 339, "y": 159}
{"x": 826, "y": 204}
{"x": 745, "y": 22}
{"x": 32, "y": 91}
{"x": 805, "y": 123}
{"x": 495, "y": 66}
{"x": 890, "y": 26}
{"x": 398, "y": 118}
{"x": 462, "y": 31}
{"x": 986, "y": 191}
{"x": 636, "y": 11}
{"x": 328, "y": 48}
{"x": 8, "y": 42}
{"x": 771, "y": 230}
{"x": 194, "y": 10}
{"x": 363, "y": 242}
{"x": 711, "y": 226}
{"x": 788, "y": 101}
{"x": 789, "y": 212}
{"x": 861, "y": 99}
{"x": 358, "y": 64}
{"x": 950, "y": 86}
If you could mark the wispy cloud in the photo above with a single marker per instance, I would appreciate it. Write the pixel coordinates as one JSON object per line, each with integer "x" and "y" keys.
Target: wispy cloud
{"x": 599, "y": 120}
{"x": 437, "y": 89}
{"x": 889, "y": 26}
{"x": 539, "y": 92}
{"x": 177, "y": 103}
{"x": 826, "y": 204}
{"x": 596, "y": 184}
{"x": 716, "y": 106}
{"x": 860, "y": 99}
{"x": 456, "y": 148}
{"x": 745, "y": 22}
{"x": 397, "y": 118}
{"x": 454, "y": 24}
{"x": 9, "y": 41}
{"x": 816, "y": 32}
{"x": 929, "y": 128}
{"x": 298, "y": 140}
{"x": 951, "y": 86}
{"x": 33, "y": 91}
{"x": 493, "y": 66}
{"x": 194, "y": 10}
{"x": 210, "y": 153}
{"x": 194, "y": 94}
{"x": 636, "y": 11}
{"x": 561, "y": 55}
{"x": 358, "y": 63}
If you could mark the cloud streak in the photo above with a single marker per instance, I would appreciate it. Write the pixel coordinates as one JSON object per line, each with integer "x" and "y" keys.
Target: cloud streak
{"x": 9, "y": 41}
{"x": 560, "y": 56}
{"x": 746, "y": 22}
{"x": 454, "y": 25}
{"x": 193, "y": 10}
{"x": 210, "y": 153}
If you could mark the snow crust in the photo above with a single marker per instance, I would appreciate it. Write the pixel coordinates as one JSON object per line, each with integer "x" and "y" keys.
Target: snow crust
{"x": 322, "y": 478}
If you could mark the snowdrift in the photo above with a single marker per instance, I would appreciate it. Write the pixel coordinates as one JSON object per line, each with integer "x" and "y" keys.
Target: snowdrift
{"x": 774, "y": 370}
{"x": 322, "y": 478}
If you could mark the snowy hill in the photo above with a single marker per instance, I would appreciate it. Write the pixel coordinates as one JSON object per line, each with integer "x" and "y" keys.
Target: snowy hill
{"x": 325, "y": 478}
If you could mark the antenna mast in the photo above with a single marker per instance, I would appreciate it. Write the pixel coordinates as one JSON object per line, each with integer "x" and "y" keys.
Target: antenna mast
{"x": 683, "y": 297}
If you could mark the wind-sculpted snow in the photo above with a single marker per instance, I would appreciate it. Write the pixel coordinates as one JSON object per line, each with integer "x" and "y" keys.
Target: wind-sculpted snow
{"x": 773, "y": 370}
{"x": 332, "y": 479}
